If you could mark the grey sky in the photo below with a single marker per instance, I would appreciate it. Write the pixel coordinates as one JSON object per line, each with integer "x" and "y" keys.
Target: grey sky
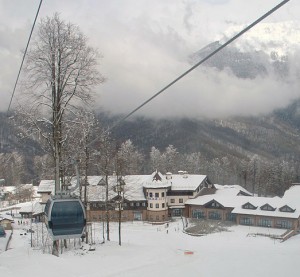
{"x": 146, "y": 44}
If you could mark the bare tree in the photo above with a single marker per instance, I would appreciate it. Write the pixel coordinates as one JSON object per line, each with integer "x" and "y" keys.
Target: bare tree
{"x": 104, "y": 159}
{"x": 61, "y": 72}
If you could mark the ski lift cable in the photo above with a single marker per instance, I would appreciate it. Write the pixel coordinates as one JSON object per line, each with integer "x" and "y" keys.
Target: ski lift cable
{"x": 202, "y": 61}
{"x": 195, "y": 66}
{"x": 32, "y": 28}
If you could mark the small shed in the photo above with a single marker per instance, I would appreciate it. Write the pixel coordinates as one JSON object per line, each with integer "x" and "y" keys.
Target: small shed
{"x": 6, "y": 221}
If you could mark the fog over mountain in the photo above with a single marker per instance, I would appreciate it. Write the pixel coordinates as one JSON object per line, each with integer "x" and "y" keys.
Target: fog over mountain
{"x": 145, "y": 45}
{"x": 253, "y": 76}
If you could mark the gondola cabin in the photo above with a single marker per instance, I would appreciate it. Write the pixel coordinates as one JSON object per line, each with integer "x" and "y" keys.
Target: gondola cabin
{"x": 65, "y": 218}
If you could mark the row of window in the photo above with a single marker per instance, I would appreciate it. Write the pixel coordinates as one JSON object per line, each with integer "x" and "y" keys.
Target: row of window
{"x": 268, "y": 207}
{"x": 172, "y": 200}
{"x": 131, "y": 204}
{"x": 157, "y": 218}
{"x": 156, "y": 194}
{"x": 265, "y": 222}
{"x": 157, "y": 206}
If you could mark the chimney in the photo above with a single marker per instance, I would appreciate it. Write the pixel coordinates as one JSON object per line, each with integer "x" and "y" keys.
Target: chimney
{"x": 168, "y": 175}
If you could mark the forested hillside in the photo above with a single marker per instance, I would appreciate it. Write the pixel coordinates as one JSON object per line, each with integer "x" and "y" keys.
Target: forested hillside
{"x": 261, "y": 153}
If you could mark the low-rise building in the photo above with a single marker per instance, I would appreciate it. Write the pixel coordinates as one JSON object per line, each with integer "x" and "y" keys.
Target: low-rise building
{"x": 227, "y": 204}
{"x": 154, "y": 197}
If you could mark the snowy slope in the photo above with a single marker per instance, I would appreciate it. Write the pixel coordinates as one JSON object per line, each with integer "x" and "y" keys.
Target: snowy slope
{"x": 152, "y": 251}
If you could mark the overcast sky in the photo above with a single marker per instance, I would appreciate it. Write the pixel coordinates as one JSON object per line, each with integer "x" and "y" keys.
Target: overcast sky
{"x": 146, "y": 44}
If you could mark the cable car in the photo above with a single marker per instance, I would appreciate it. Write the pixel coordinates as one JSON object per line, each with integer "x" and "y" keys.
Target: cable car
{"x": 65, "y": 218}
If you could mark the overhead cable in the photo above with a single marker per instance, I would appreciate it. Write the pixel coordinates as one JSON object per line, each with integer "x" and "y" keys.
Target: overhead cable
{"x": 199, "y": 63}
{"x": 13, "y": 93}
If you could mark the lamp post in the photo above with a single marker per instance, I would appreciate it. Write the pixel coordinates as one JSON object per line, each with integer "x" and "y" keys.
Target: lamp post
{"x": 120, "y": 190}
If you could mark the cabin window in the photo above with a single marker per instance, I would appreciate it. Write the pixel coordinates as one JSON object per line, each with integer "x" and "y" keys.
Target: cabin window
{"x": 198, "y": 214}
{"x": 246, "y": 221}
{"x": 264, "y": 222}
{"x": 214, "y": 215}
{"x": 286, "y": 209}
{"x": 285, "y": 224}
{"x": 267, "y": 207}
{"x": 249, "y": 206}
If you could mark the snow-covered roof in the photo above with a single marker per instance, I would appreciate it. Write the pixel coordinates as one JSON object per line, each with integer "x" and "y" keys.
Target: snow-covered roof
{"x": 5, "y": 189}
{"x": 133, "y": 190}
{"x": 177, "y": 182}
{"x": 134, "y": 187}
{"x": 186, "y": 181}
{"x": 6, "y": 216}
{"x": 292, "y": 195}
{"x": 231, "y": 190}
{"x": 275, "y": 202}
{"x": 155, "y": 180}
{"x": 31, "y": 207}
{"x": 46, "y": 186}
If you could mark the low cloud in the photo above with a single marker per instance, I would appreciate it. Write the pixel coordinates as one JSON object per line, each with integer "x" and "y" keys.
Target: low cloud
{"x": 147, "y": 44}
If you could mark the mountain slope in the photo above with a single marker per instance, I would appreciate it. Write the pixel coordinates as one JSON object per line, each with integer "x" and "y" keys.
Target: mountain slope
{"x": 273, "y": 136}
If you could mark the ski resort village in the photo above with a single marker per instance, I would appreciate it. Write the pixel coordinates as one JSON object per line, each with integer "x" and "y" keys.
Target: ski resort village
{"x": 163, "y": 224}
{"x": 147, "y": 138}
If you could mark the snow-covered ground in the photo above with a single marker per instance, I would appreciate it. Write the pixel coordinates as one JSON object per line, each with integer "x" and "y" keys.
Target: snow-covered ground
{"x": 149, "y": 250}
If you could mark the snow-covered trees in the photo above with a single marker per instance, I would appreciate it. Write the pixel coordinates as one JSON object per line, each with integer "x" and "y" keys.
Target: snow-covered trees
{"x": 61, "y": 71}
{"x": 128, "y": 160}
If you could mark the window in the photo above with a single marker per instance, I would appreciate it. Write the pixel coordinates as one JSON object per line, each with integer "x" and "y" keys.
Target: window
{"x": 156, "y": 194}
{"x": 285, "y": 224}
{"x": 151, "y": 205}
{"x": 246, "y": 221}
{"x": 157, "y": 206}
{"x": 214, "y": 215}
{"x": 163, "y": 205}
{"x": 150, "y": 194}
{"x": 264, "y": 222}
{"x": 231, "y": 217}
{"x": 180, "y": 200}
{"x": 249, "y": 206}
{"x": 267, "y": 207}
{"x": 177, "y": 212}
{"x": 162, "y": 194}
{"x": 137, "y": 204}
{"x": 213, "y": 204}
{"x": 131, "y": 204}
{"x": 144, "y": 204}
{"x": 286, "y": 209}
{"x": 198, "y": 214}
{"x": 172, "y": 200}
